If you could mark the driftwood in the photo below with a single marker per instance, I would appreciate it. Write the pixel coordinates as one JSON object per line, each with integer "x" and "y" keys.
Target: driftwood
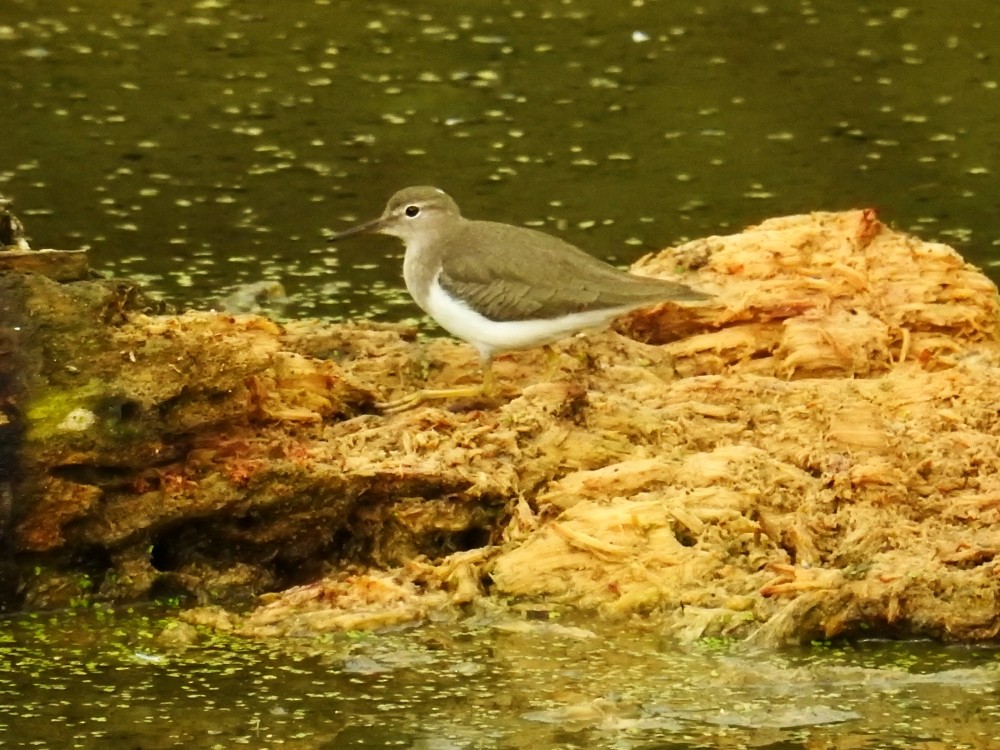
{"x": 813, "y": 454}
{"x": 59, "y": 265}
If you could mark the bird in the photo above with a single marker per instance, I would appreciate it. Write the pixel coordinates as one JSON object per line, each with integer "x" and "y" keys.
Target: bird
{"x": 502, "y": 287}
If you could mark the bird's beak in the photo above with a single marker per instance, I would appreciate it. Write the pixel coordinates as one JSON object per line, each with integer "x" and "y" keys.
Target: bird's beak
{"x": 369, "y": 227}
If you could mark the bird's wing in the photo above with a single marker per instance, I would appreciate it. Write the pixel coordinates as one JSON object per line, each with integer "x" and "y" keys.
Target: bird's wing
{"x": 531, "y": 275}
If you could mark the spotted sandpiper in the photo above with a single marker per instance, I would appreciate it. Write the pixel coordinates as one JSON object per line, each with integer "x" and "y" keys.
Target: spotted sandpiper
{"x": 501, "y": 287}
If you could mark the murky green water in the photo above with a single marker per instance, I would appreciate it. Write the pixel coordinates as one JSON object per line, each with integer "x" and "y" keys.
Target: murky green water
{"x": 205, "y": 143}
{"x": 93, "y": 679}
{"x": 202, "y": 143}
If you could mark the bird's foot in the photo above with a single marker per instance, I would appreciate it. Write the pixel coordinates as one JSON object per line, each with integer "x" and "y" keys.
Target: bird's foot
{"x": 419, "y": 397}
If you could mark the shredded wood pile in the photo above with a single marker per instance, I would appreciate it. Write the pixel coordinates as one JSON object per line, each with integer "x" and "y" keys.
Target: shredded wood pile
{"x": 814, "y": 454}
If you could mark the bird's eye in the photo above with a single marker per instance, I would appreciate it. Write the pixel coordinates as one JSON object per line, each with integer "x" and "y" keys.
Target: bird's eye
{"x": 412, "y": 211}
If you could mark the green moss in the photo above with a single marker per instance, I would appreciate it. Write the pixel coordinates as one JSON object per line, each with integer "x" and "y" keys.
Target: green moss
{"x": 48, "y": 409}
{"x": 101, "y": 415}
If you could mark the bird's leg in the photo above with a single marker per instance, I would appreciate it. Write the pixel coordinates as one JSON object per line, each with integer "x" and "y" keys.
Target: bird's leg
{"x": 489, "y": 381}
{"x": 436, "y": 394}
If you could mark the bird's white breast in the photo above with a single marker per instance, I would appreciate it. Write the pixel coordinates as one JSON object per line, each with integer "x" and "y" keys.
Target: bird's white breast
{"x": 491, "y": 336}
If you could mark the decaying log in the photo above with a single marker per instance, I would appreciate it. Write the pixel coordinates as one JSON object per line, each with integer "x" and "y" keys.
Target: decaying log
{"x": 814, "y": 453}
{"x": 59, "y": 265}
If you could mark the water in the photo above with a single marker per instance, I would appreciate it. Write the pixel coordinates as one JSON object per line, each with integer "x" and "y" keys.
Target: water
{"x": 201, "y": 144}
{"x": 100, "y": 679}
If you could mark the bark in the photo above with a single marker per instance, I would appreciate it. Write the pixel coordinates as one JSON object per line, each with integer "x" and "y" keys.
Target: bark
{"x": 812, "y": 454}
